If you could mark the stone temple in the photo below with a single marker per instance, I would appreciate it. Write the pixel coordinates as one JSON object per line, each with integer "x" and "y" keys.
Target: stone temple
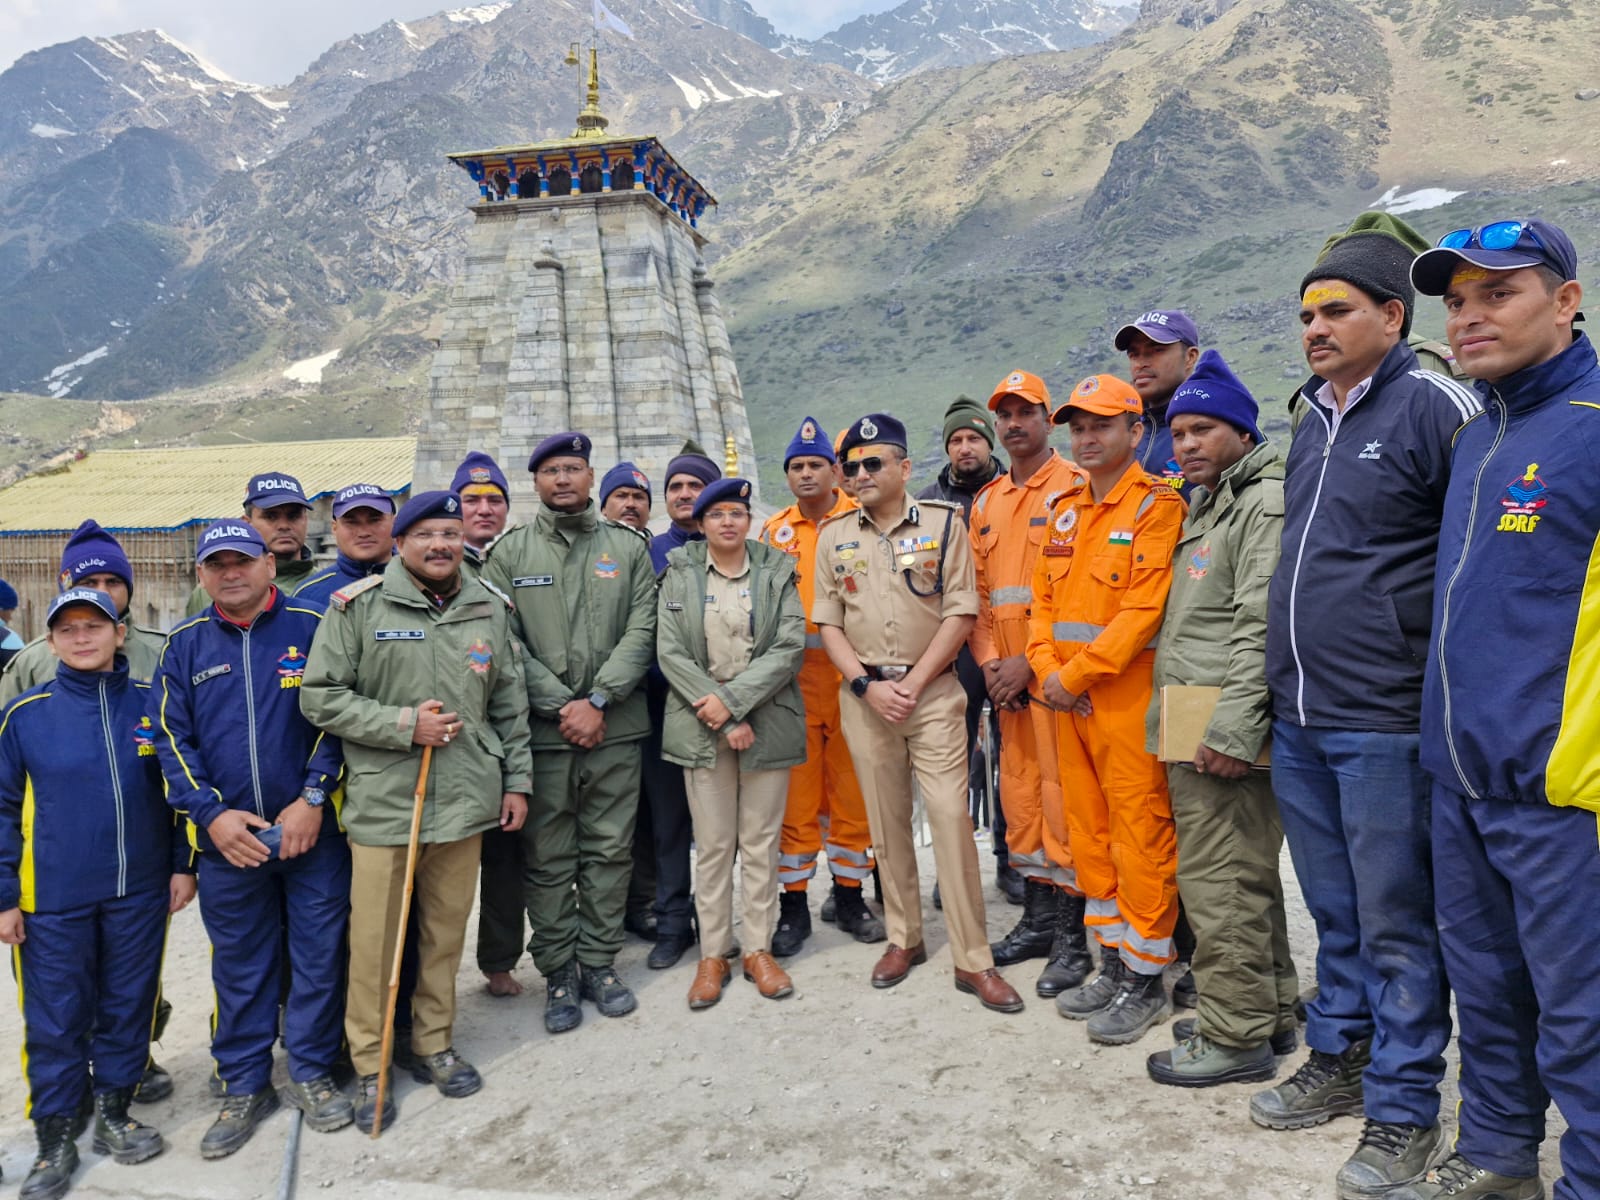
{"x": 585, "y": 304}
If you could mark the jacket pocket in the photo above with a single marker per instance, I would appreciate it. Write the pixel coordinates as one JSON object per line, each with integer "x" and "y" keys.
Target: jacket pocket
{"x": 490, "y": 741}
{"x": 1110, "y": 574}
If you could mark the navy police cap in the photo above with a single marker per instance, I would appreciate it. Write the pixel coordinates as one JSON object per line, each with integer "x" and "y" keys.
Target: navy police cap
{"x": 733, "y": 488}
{"x": 427, "y": 507}
{"x": 874, "y": 429}
{"x": 561, "y": 445}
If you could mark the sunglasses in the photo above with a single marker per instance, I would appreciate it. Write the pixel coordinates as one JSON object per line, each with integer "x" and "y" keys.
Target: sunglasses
{"x": 1499, "y": 235}
{"x": 871, "y": 465}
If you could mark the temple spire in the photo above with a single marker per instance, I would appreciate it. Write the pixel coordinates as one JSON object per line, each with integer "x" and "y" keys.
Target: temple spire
{"x": 591, "y": 121}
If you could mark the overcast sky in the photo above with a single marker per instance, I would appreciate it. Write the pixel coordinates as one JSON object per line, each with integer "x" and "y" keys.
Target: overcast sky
{"x": 273, "y": 42}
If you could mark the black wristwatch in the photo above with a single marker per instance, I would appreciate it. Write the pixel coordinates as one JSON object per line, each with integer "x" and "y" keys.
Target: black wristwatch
{"x": 314, "y": 797}
{"x": 599, "y": 701}
{"x": 859, "y": 685}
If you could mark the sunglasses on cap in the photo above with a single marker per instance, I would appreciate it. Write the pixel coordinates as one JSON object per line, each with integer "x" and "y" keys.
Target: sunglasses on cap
{"x": 872, "y": 465}
{"x": 1498, "y": 235}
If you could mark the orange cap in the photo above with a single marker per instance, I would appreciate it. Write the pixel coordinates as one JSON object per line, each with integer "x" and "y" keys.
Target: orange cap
{"x": 1021, "y": 383}
{"x": 1104, "y": 395}
{"x": 838, "y": 442}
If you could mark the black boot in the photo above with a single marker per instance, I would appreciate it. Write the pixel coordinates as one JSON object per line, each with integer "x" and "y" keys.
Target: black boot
{"x": 118, "y": 1134}
{"x": 1034, "y": 933}
{"x": 1070, "y": 960}
{"x": 561, "y": 1008}
{"x": 1011, "y": 884}
{"x": 854, "y": 917}
{"x": 51, "y": 1175}
{"x": 794, "y": 924}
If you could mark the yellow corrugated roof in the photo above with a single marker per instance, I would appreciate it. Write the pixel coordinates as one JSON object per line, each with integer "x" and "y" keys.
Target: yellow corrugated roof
{"x": 129, "y": 490}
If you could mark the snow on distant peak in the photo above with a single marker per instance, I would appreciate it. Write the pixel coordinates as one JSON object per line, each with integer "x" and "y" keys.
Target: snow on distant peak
{"x": 309, "y": 370}
{"x": 478, "y": 14}
{"x": 50, "y": 131}
{"x": 61, "y": 381}
{"x": 405, "y": 32}
{"x": 692, "y": 96}
{"x": 1393, "y": 201}
{"x": 215, "y": 72}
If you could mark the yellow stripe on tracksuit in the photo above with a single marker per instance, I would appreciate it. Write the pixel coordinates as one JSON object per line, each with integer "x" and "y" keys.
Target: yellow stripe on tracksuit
{"x": 1572, "y": 775}
{"x": 25, "y": 874}
{"x": 16, "y": 970}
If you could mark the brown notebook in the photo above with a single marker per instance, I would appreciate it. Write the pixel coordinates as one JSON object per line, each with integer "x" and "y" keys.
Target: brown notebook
{"x": 1185, "y": 716}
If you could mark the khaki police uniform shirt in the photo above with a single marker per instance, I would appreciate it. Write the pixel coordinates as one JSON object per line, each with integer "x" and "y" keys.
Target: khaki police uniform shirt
{"x": 865, "y": 577}
{"x": 729, "y": 634}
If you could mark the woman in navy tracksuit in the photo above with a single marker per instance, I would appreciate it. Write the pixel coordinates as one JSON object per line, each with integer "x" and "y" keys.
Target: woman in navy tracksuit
{"x": 91, "y": 865}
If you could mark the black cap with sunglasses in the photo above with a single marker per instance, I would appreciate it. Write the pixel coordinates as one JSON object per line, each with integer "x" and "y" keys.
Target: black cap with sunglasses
{"x": 874, "y": 429}
{"x": 1498, "y": 246}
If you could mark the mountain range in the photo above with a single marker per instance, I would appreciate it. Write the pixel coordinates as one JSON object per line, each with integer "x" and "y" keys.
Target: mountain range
{"x": 910, "y": 205}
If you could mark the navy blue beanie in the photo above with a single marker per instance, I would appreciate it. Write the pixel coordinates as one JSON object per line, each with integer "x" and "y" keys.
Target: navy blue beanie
{"x": 91, "y": 550}
{"x": 1213, "y": 390}
{"x": 624, "y": 474}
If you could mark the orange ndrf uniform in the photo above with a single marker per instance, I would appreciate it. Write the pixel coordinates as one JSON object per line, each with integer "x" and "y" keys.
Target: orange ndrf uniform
{"x": 1009, "y": 521}
{"x": 823, "y": 788}
{"x": 1099, "y": 591}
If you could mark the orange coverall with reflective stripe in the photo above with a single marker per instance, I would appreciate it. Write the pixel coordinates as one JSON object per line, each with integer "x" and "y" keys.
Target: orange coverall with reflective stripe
{"x": 1008, "y": 525}
{"x": 823, "y": 787}
{"x": 1099, "y": 591}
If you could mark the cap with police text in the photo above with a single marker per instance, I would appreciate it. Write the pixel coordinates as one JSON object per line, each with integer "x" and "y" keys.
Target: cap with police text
{"x": 874, "y": 429}
{"x": 1103, "y": 395}
{"x": 1516, "y": 244}
{"x": 93, "y": 551}
{"x": 362, "y": 495}
{"x": 1164, "y": 325}
{"x": 732, "y": 488}
{"x": 274, "y": 488}
{"x": 429, "y": 506}
{"x": 237, "y": 536}
{"x": 809, "y": 441}
{"x": 561, "y": 445}
{"x": 99, "y": 601}
{"x": 1020, "y": 383}
{"x": 478, "y": 470}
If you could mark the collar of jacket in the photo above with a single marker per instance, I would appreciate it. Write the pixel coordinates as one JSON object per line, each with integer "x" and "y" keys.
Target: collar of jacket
{"x": 697, "y": 555}
{"x": 908, "y": 512}
{"x": 674, "y": 537}
{"x": 949, "y": 483}
{"x": 352, "y": 569}
{"x": 399, "y": 586}
{"x": 87, "y": 683}
{"x": 549, "y": 520}
{"x": 1536, "y": 385}
{"x": 278, "y": 599}
{"x": 1401, "y": 360}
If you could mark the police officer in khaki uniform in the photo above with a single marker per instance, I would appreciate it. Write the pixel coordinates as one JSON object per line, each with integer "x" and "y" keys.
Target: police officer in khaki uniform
{"x": 419, "y": 655}
{"x": 896, "y": 598}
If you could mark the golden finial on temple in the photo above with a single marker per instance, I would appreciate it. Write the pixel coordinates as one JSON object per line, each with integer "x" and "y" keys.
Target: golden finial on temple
{"x": 730, "y": 456}
{"x": 591, "y": 121}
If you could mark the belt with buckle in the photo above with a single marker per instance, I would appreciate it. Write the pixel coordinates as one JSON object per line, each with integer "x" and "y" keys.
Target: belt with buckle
{"x": 894, "y": 672}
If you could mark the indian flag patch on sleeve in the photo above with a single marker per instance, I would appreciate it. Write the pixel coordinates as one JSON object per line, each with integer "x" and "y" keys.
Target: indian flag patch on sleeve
{"x": 1121, "y": 537}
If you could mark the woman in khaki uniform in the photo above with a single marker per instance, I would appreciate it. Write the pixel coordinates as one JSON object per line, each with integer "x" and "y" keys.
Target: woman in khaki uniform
{"x": 730, "y": 637}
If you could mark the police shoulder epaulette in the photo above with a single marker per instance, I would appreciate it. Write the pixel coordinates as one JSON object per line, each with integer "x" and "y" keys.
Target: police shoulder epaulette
{"x": 350, "y": 591}
{"x": 497, "y": 592}
{"x": 832, "y": 517}
{"x": 642, "y": 534}
{"x": 951, "y": 504}
{"x": 1160, "y": 492}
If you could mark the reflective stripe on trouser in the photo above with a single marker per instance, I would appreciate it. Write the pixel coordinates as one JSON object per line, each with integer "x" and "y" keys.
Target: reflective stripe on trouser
{"x": 735, "y": 810}
{"x": 1030, "y": 794}
{"x": 931, "y": 744}
{"x": 447, "y": 873}
{"x": 824, "y": 789}
{"x": 86, "y": 986}
{"x": 1119, "y": 819}
{"x": 1229, "y": 842}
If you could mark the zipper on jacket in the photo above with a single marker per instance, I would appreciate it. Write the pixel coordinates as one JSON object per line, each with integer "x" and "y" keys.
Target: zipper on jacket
{"x": 250, "y": 724}
{"x": 1299, "y": 558}
{"x": 1444, "y": 608}
{"x": 116, "y": 792}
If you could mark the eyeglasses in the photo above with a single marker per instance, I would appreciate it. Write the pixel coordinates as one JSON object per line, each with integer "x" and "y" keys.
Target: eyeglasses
{"x": 558, "y": 470}
{"x": 726, "y": 514}
{"x": 448, "y": 536}
{"x": 1498, "y": 235}
{"x": 871, "y": 465}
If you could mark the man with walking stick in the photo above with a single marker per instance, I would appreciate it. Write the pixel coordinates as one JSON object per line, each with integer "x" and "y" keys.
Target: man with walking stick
{"x": 418, "y": 659}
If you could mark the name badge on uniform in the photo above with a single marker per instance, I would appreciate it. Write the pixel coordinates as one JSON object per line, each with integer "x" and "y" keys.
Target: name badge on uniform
{"x": 674, "y": 606}
{"x": 534, "y": 581}
{"x": 209, "y": 673}
{"x": 399, "y": 635}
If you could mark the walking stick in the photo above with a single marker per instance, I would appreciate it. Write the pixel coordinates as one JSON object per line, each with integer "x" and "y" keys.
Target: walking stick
{"x": 400, "y": 940}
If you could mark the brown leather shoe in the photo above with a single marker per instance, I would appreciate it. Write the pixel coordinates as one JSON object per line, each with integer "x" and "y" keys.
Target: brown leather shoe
{"x": 771, "y": 980}
{"x": 896, "y": 964}
{"x": 991, "y": 989}
{"x": 710, "y": 977}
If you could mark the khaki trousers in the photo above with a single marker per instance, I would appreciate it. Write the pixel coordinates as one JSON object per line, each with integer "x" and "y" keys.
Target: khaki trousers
{"x": 446, "y": 883}
{"x": 931, "y": 744}
{"x": 735, "y": 810}
{"x": 1229, "y": 839}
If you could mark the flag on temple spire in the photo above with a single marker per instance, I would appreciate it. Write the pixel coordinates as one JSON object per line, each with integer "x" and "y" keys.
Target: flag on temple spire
{"x": 604, "y": 18}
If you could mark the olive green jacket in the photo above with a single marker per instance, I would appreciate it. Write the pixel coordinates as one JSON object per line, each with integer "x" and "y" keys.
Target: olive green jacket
{"x": 1215, "y": 631}
{"x": 381, "y": 651}
{"x": 36, "y": 662}
{"x": 584, "y": 593}
{"x": 766, "y": 693}
{"x": 290, "y": 577}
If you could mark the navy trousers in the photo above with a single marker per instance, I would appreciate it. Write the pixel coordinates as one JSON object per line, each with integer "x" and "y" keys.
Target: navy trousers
{"x": 1355, "y": 812}
{"x": 668, "y": 800}
{"x": 247, "y": 911}
{"x": 86, "y": 981}
{"x": 1517, "y": 887}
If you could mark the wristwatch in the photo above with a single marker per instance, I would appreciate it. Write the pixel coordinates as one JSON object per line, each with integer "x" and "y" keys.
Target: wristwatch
{"x": 314, "y": 797}
{"x": 599, "y": 701}
{"x": 859, "y": 685}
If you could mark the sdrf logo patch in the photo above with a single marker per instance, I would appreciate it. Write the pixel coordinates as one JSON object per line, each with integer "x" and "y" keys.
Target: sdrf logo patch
{"x": 291, "y": 668}
{"x": 1523, "y": 499}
